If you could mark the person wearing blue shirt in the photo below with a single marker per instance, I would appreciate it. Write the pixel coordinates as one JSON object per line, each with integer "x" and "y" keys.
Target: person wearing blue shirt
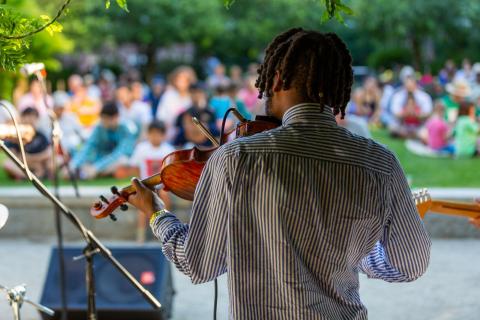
{"x": 110, "y": 145}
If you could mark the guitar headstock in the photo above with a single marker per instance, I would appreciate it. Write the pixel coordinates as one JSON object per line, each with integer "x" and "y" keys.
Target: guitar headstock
{"x": 423, "y": 201}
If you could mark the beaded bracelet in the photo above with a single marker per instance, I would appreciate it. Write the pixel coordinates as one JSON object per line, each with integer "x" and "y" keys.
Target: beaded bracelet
{"x": 155, "y": 215}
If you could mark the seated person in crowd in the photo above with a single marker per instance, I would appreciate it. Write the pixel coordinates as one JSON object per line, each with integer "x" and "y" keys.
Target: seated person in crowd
{"x": 466, "y": 131}
{"x": 176, "y": 98}
{"x": 458, "y": 92}
{"x": 38, "y": 152}
{"x": 187, "y": 132}
{"x": 133, "y": 110}
{"x": 410, "y": 106}
{"x": 218, "y": 78}
{"x": 249, "y": 95}
{"x": 236, "y": 102}
{"x": 72, "y": 132}
{"x": 148, "y": 157}
{"x": 358, "y": 105}
{"x": 85, "y": 107}
{"x": 355, "y": 124}
{"x": 220, "y": 103}
{"x": 109, "y": 146}
{"x": 437, "y": 130}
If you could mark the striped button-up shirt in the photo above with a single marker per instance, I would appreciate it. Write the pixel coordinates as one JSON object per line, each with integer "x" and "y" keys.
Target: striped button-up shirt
{"x": 293, "y": 215}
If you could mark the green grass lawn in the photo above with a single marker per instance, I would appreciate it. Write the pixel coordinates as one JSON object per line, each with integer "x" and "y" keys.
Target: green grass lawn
{"x": 423, "y": 172}
{"x": 107, "y": 182}
{"x": 432, "y": 172}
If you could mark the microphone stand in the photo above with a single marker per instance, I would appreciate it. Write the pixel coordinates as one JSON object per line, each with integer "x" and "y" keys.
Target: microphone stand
{"x": 16, "y": 296}
{"x": 93, "y": 246}
{"x": 55, "y": 136}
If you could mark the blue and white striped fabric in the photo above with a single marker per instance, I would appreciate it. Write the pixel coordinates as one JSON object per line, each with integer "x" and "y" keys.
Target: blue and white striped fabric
{"x": 293, "y": 214}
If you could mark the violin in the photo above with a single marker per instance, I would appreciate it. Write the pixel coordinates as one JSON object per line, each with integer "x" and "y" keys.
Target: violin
{"x": 180, "y": 170}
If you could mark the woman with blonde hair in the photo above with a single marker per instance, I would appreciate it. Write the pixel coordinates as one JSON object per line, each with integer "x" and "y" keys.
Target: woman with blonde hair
{"x": 176, "y": 98}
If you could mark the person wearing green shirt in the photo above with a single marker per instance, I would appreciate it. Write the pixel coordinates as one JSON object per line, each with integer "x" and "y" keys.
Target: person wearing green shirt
{"x": 458, "y": 92}
{"x": 466, "y": 131}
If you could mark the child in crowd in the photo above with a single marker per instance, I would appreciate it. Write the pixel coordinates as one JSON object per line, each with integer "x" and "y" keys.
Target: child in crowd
{"x": 220, "y": 103}
{"x": 188, "y": 134}
{"x": 109, "y": 146}
{"x": 236, "y": 102}
{"x": 410, "y": 118}
{"x": 466, "y": 131}
{"x": 438, "y": 130}
{"x": 38, "y": 152}
{"x": 148, "y": 157}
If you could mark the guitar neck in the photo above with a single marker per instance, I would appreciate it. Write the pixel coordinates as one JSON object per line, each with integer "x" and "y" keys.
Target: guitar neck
{"x": 469, "y": 210}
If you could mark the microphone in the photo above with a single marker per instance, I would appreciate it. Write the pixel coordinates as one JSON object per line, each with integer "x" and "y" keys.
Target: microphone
{"x": 32, "y": 68}
{"x": 9, "y": 132}
{"x": 3, "y": 215}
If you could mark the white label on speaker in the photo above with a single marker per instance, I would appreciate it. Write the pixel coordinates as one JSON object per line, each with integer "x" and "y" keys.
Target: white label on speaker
{"x": 3, "y": 215}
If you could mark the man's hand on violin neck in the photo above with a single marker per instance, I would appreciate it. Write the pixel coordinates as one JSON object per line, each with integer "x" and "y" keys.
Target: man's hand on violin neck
{"x": 145, "y": 199}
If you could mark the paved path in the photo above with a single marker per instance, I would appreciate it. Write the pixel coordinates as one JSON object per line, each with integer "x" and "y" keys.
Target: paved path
{"x": 95, "y": 191}
{"x": 449, "y": 291}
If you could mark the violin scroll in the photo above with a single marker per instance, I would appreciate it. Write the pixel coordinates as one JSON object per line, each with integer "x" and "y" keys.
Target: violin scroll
{"x": 105, "y": 207}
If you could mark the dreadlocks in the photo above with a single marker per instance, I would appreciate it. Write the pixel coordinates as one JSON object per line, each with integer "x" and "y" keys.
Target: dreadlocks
{"x": 317, "y": 64}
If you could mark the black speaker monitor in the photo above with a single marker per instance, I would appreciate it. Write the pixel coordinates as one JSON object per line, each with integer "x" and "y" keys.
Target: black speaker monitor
{"x": 116, "y": 298}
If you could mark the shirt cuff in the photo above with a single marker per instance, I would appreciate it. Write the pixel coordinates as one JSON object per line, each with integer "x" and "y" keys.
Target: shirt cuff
{"x": 163, "y": 223}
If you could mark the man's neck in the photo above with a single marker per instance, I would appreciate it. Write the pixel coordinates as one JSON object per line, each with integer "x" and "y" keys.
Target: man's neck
{"x": 291, "y": 104}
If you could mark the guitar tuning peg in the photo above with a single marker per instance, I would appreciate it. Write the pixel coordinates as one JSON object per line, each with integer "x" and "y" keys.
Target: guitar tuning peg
{"x": 113, "y": 217}
{"x": 123, "y": 207}
{"x": 104, "y": 199}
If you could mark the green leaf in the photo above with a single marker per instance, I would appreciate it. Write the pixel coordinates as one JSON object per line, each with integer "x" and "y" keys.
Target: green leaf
{"x": 228, "y": 3}
{"x": 325, "y": 16}
{"x": 345, "y": 9}
{"x": 54, "y": 27}
{"x": 107, "y": 4}
{"x": 45, "y": 18}
{"x": 123, "y": 4}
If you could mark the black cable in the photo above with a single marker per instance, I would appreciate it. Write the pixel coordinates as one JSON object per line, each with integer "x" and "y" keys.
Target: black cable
{"x": 215, "y": 282}
{"x": 215, "y": 299}
{"x": 222, "y": 131}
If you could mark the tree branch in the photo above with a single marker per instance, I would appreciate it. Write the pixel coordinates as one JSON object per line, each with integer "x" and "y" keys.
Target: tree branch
{"x": 28, "y": 34}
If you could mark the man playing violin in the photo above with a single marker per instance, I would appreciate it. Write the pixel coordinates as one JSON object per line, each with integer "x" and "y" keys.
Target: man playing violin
{"x": 293, "y": 214}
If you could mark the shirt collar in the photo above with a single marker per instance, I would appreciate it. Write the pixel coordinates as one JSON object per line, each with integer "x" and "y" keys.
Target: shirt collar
{"x": 309, "y": 113}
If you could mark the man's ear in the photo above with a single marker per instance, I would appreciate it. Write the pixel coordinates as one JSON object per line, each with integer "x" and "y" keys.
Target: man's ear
{"x": 277, "y": 82}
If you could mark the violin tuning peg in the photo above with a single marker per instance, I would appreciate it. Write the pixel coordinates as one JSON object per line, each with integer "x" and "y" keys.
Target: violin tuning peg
{"x": 123, "y": 207}
{"x": 114, "y": 190}
{"x": 113, "y": 217}
{"x": 104, "y": 199}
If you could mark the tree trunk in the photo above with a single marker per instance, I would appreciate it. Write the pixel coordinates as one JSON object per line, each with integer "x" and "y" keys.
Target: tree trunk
{"x": 417, "y": 52}
{"x": 151, "y": 65}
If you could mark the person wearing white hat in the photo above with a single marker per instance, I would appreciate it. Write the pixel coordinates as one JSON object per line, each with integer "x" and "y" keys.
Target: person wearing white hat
{"x": 458, "y": 91}
{"x": 475, "y": 96}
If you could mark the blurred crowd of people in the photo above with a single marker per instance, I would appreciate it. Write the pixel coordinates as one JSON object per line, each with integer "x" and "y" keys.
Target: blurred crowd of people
{"x": 438, "y": 115}
{"x": 123, "y": 126}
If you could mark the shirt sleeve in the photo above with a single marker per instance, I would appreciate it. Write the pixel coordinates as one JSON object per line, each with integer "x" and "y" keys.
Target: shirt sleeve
{"x": 403, "y": 252}
{"x": 198, "y": 249}
{"x": 89, "y": 147}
